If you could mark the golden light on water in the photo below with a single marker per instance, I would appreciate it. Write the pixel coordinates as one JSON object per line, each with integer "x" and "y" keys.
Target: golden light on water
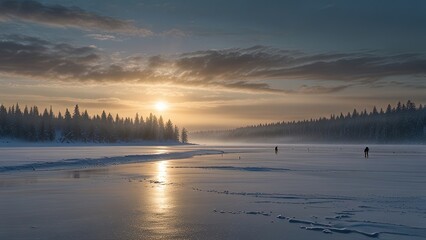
{"x": 162, "y": 180}
{"x": 161, "y": 198}
{"x": 162, "y": 172}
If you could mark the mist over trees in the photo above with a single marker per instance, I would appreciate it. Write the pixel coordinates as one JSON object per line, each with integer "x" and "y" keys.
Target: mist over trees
{"x": 403, "y": 123}
{"x": 32, "y": 125}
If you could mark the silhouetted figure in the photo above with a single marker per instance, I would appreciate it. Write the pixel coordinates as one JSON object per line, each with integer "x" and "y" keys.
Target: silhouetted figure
{"x": 276, "y": 150}
{"x": 366, "y": 152}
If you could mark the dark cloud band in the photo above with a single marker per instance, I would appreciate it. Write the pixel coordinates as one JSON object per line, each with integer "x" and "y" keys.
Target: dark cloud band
{"x": 267, "y": 63}
{"x": 57, "y": 15}
{"x": 233, "y": 69}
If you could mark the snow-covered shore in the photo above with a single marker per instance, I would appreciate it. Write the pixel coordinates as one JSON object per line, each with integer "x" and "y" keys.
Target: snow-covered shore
{"x": 79, "y": 163}
{"x": 19, "y": 143}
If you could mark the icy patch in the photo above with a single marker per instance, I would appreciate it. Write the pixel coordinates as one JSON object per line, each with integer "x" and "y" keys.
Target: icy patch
{"x": 313, "y": 226}
{"x": 340, "y": 216}
{"x": 262, "y": 213}
{"x": 294, "y": 220}
{"x": 341, "y": 230}
{"x": 342, "y": 222}
{"x": 250, "y": 169}
{"x": 258, "y": 213}
{"x": 303, "y": 198}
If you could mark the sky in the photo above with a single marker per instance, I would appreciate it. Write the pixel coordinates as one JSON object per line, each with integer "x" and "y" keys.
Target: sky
{"x": 215, "y": 64}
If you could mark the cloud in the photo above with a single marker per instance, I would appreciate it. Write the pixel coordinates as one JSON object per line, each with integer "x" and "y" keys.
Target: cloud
{"x": 61, "y": 16}
{"x": 320, "y": 89}
{"x": 33, "y": 57}
{"x": 261, "y": 62}
{"x": 231, "y": 69}
{"x": 36, "y": 58}
{"x": 101, "y": 37}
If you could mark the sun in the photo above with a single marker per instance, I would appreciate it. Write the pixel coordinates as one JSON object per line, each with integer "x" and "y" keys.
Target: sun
{"x": 161, "y": 106}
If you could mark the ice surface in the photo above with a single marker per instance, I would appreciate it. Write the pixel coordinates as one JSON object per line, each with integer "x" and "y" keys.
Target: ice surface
{"x": 249, "y": 192}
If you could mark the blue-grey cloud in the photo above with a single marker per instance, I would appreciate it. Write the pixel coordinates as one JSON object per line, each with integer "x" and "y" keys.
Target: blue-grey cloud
{"x": 320, "y": 89}
{"x": 261, "y": 62}
{"x": 233, "y": 69}
{"x": 101, "y": 37}
{"x": 61, "y": 16}
{"x": 33, "y": 57}
{"x": 36, "y": 58}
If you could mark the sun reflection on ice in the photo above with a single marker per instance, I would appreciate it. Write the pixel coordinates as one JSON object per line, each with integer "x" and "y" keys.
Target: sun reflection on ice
{"x": 161, "y": 196}
{"x": 162, "y": 172}
{"x": 161, "y": 150}
{"x": 161, "y": 206}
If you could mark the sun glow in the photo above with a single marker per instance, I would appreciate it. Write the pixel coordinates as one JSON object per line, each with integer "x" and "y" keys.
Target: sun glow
{"x": 161, "y": 106}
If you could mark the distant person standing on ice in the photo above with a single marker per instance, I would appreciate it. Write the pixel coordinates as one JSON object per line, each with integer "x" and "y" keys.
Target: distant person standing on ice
{"x": 366, "y": 152}
{"x": 276, "y": 149}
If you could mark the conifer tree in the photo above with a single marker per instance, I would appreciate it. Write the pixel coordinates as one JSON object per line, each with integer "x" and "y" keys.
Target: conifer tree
{"x": 169, "y": 131}
{"x": 161, "y": 129}
{"x": 184, "y": 136}
{"x": 67, "y": 127}
{"x": 176, "y": 134}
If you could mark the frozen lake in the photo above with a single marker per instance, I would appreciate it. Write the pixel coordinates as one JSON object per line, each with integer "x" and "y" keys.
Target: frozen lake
{"x": 177, "y": 192}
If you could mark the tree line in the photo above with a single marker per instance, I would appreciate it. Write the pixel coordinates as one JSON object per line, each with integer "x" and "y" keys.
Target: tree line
{"x": 403, "y": 123}
{"x": 32, "y": 125}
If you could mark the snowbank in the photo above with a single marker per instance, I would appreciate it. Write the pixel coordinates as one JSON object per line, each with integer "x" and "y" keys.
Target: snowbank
{"x": 6, "y": 142}
{"x": 104, "y": 161}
